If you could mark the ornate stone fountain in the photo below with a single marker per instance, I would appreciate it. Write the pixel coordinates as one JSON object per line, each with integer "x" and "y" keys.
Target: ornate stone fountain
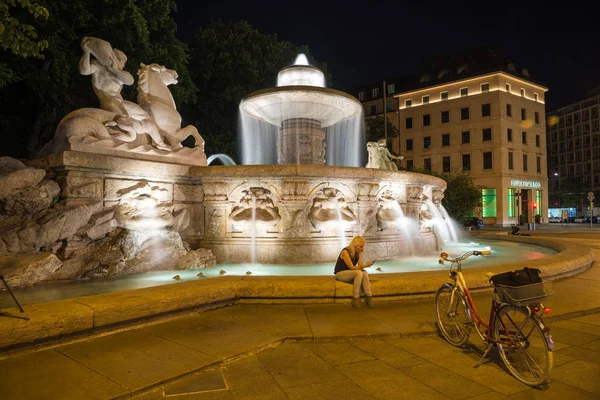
{"x": 115, "y": 192}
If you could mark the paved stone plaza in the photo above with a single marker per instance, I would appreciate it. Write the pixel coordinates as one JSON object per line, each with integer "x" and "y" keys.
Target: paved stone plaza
{"x": 310, "y": 351}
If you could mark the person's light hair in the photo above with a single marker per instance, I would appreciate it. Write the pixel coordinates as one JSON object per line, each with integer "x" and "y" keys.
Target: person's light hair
{"x": 356, "y": 241}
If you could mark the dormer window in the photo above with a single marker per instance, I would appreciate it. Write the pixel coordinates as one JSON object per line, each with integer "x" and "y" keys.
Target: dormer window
{"x": 425, "y": 78}
{"x": 525, "y": 72}
{"x": 361, "y": 96}
{"x": 444, "y": 73}
{"x": 463, "y": 68}
{"x": 375, "y": 93}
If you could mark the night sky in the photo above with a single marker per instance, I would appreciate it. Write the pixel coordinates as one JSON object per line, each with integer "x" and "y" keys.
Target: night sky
{"x": 365, "y": 42}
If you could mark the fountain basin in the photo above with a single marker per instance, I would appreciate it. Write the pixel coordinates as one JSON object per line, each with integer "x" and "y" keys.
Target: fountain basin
{"x": 306, "y": 199}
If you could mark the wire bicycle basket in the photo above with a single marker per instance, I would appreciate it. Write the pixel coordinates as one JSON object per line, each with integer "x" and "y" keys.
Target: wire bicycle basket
{"x": 525, "y": 295}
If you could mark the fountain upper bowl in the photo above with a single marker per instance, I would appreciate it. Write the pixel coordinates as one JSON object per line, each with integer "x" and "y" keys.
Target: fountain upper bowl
{"x": 325, "y": 105}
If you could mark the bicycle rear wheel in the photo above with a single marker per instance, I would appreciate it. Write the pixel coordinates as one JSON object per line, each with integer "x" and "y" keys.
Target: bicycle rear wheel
{"x": 522, "y": 345}
{"x": 452, "y": 315}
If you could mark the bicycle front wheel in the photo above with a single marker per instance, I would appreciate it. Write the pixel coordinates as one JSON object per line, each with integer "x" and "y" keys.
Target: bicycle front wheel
{"x": 522, "y": 345}
{"x": 452, "y": 315}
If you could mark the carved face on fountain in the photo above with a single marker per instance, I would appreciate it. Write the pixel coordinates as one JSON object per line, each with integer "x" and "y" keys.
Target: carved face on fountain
{"x": 330, "y": 208}
{"x": 255, "y": 206}
{"x": 140, "y": 208}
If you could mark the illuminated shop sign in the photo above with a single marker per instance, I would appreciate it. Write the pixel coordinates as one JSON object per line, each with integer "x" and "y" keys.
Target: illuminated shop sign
{"x": 526, "y": 184}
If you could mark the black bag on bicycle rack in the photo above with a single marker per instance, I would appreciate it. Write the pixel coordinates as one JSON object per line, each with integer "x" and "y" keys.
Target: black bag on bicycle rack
{"x": 519, "y": 277}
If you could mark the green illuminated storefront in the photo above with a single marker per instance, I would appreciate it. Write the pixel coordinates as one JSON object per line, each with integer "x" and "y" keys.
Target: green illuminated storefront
{"x": 517, "y": 201}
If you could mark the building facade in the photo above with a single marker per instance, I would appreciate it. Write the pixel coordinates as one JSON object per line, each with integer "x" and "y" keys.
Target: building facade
{"x": 574, "y": 151}
{"x": 474, "y": 112}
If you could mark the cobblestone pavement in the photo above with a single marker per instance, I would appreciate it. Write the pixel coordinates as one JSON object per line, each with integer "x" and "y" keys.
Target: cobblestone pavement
{"x": 397, "y": 368}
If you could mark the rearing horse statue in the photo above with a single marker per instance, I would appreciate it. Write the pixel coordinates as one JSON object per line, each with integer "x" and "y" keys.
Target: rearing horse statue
{"x": 156, "y": 99}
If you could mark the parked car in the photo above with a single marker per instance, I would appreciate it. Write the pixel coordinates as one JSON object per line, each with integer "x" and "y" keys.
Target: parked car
{"x": 474, "y": 223}
{"x": 555, "y": 220}
{"x": 579, "y": 220}
{"x": 594, "y": 220}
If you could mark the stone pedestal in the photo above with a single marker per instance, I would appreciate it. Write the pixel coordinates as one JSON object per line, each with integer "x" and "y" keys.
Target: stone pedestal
{"x": 301, "y": 142}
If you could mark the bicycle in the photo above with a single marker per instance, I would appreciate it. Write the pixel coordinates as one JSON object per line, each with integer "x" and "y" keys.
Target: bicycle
{"x": 515, "y": 325}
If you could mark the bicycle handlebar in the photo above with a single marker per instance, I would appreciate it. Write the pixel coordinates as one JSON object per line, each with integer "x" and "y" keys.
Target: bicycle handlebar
{"x": 444, "y": 256}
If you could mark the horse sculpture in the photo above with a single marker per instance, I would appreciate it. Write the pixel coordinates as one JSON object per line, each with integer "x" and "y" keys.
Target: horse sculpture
{"x": 155, "y": 98}
{"x": 152, "y": 127}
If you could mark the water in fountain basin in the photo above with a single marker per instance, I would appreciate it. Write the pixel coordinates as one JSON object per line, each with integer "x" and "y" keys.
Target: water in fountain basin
{"x": 451, "y": 224}
{"x": 408, "y": 227}
{"x": 439, "y": 224}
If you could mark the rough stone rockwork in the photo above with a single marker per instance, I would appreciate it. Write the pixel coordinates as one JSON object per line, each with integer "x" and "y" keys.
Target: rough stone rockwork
{"x": 83, "y": 236}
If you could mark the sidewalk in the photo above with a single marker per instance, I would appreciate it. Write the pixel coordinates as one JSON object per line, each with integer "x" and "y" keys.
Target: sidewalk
{"x": 161, "y": 359}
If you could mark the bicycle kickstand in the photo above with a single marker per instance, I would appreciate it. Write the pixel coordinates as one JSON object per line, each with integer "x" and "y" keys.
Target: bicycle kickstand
{"x": 490, "y": 345}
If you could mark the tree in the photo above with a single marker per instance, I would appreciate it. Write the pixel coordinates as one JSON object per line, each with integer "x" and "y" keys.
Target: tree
{"x": 228, "y": 61}
{"x": 462, "y": 195}
{"x": 19, "y": 37}
{"x": 572, "y": 192}
{"x": 44, "y": 91}
{"x": 375, "y": 129}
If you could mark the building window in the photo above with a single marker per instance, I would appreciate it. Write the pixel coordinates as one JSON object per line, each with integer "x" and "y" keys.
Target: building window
{"x": 389, "y": 106}
{"x": 391, "y": 88}
{"x": 538, "y": 164}
{"x": 373, "y": 110}
{"x": 524, "y": 137}
{"x": 466, "y": 137}
{"x": 485, "y": 110}
{"x": 487, "y": 160}
{"x": 537, "y": 117}
{"x": 361, "y": 96}
{"x": 427, "y": 142}
{"x": 466, "y": 162}
{"x": 510, "y": 160}
{"x": 446, "y": 139}
{"x": 408, "y": 122}
{"x": 446, "y": 164}
{"x": 524, "y": 162}
{"x": 445, "y": 117}
{"x": 426, "y": 99}
{"x": 509, "y": 134}
{"x": 485, "y": 87}
{"x": 535, "y": 96}
{"x": 427, "y": 164}
{"x": 409, "y": 144}
{"x": 375, "y": 93}
{"x": 522, "y": 92}
{"x": 537, "y": 140}
{"x": 410, "y": 165}
{"x": 507, "y": 87}
{"x": 487, "y": 134}
{"x": 523, "y": 114}
{"x": 426, "y": 120}
{"x": 488, "y": 203}
{"x": 444, "y": 95}
{"x": 407, "y": 103}
{"x": 511, "y": 202}
{"x": 509, "y": 110}
{"x": 464, "y": 92}
{"x": 464, "y": 113}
